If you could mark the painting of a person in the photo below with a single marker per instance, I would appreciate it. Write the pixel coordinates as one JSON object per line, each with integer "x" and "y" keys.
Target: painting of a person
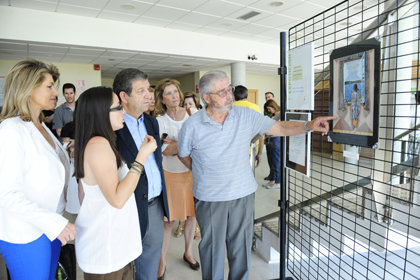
{"x": 355, "y": 105}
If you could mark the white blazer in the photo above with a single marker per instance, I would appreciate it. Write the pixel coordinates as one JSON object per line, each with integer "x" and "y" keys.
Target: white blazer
{"x": 32, "y": 179}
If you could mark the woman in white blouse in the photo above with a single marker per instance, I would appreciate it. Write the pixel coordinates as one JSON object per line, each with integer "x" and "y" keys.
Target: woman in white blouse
{"x": 178, "y": 178}
{"x": 33, "y": 172}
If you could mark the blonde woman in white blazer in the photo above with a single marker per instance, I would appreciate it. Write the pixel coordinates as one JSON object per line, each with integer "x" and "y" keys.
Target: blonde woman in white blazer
{"x": 33, "y": 171}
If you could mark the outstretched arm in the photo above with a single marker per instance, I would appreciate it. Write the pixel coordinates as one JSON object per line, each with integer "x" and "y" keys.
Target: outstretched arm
{"x": 287, "y": 128}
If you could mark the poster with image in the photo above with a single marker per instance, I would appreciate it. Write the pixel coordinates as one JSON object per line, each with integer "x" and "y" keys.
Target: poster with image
{"x": 354, "y": 90}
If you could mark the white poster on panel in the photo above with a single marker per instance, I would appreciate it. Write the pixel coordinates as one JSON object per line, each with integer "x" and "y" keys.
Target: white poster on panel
{"x": 300, "y": 78}
{"x": 298, "y": 147}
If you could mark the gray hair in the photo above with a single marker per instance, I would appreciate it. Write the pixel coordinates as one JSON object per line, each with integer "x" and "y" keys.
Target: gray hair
{"x": 205, "y": 85}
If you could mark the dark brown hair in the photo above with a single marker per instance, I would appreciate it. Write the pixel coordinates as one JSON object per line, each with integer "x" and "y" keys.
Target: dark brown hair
{"x": 91, "y": 119}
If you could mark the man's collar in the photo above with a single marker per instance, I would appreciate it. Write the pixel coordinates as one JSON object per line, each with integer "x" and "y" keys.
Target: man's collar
{"x": 131, "y": 119}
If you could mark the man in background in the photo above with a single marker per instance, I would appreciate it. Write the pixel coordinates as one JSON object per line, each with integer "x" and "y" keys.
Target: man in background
{"x": 241, "y": 99}
{"x": 269, "y": 95}
{"x": 64, "y": 113}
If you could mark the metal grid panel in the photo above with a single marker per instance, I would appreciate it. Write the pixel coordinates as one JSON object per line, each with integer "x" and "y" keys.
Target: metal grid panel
{"x": 360, "y": 219}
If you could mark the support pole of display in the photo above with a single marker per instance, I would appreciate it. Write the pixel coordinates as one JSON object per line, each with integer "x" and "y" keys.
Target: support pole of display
{"x": 283, "y": 199}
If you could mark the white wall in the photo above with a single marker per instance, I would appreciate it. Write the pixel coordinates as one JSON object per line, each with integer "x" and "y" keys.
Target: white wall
{"x": 264, "y": 84}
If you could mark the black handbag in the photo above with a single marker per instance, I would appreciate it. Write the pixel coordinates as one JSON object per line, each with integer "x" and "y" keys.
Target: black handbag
{"x": 66, "y": 269}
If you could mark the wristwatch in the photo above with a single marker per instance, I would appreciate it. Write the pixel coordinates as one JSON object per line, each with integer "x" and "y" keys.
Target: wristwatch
{"x": 305, "y": 127}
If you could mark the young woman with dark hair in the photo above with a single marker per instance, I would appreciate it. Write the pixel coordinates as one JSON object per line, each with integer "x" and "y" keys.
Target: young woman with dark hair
{"x": 109, "y": 236}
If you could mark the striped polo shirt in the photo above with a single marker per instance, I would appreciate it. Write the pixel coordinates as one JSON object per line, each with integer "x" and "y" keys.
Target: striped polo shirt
{"x": 220, "y": 158}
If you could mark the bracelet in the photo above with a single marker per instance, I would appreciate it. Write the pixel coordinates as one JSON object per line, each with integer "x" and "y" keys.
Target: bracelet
{"x": 134, "y": 172}
{"x": 139, "y": 163}
{"x": 138, "y": 167}
{"x": 306, "y": 128}
{"x": 136, "y": 164}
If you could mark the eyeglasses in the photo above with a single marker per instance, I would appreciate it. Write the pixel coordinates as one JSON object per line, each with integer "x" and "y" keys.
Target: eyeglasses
{"x": 223, "y": 92}
{"x": 115, "y": 109}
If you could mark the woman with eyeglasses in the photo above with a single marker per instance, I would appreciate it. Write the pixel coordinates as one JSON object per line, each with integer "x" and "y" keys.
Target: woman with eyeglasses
{"x": 34, "y": 168}
{"x": 108, "y": 227}
{"x": 178, "y": 178}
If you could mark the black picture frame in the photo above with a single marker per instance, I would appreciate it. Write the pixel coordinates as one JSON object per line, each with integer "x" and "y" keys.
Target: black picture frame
{"x": 354, "y": 93}
{"x": 289, "y": 162}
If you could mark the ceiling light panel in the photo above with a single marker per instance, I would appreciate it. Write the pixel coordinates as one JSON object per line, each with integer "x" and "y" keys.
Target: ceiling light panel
{"x": 247, "y": 10}
{"x": 249, "y": 15}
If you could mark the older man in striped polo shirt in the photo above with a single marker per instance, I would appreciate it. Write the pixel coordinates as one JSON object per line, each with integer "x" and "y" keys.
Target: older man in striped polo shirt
{"x": 214, "y": 143}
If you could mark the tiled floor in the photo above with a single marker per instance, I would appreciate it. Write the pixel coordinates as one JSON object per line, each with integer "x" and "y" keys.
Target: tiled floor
{"x": 265, "y": 203}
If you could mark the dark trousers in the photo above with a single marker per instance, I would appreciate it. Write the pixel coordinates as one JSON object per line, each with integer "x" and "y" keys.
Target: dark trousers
{"x": 272, "y": 145}
{"x": 148, "y": 263}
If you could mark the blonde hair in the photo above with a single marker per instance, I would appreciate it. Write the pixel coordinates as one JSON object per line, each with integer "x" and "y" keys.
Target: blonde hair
{"x": 160, "y": 108}
{"x": 19, "y": 84}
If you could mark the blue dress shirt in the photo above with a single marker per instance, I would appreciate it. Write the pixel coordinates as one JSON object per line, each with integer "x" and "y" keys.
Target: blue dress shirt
{"x": 138, "y": 132}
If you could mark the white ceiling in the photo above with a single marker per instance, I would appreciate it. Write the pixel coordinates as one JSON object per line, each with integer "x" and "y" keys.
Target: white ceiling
{"x": 215, "y": 17}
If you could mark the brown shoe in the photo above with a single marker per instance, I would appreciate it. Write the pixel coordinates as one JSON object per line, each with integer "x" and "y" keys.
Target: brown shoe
{"x": 179, "y": 230}
{"x": 193, "y": 266}
{"x": 197, "y": 234}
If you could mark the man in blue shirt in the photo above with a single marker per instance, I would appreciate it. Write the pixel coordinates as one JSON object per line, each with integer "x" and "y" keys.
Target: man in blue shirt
{"x": 132, "y": 87}
{"x": 214, "y": 143}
